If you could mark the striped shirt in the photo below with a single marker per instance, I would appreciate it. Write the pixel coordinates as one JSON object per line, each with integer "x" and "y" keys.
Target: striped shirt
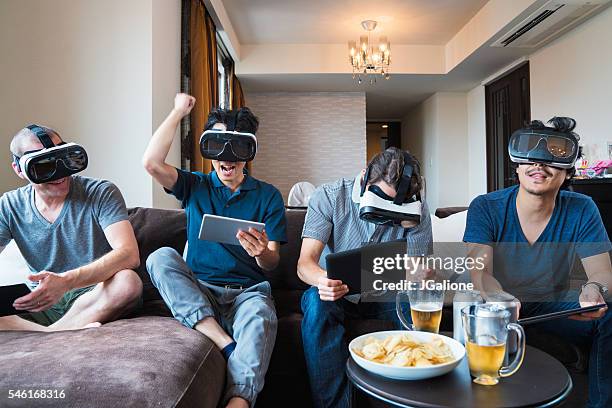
{"x": 333, "y": 218}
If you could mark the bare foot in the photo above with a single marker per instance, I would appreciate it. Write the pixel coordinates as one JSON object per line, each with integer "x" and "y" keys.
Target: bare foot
{"x": 237, "y": 402}
{"x": 56, "y": 327}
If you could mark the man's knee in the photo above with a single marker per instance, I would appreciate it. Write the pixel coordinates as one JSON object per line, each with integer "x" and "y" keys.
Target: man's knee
{"x": 125, "y": 287}
{"x": 260, "y": 309}
{"x": 158, "y": 258}
{"x": 312, "y": 305}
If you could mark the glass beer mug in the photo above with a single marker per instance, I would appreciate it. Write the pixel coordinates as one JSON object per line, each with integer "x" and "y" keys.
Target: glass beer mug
{"x": 425, "y": 309}
{"x": 486, "y": 329}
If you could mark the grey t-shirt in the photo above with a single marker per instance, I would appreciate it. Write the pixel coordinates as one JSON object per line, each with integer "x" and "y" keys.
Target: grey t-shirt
{"x": 76, "y": 238}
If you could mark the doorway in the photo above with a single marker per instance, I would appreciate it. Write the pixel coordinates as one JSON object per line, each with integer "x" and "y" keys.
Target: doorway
{"x": 507, "y": 109}
{"x": 381, "y": 135}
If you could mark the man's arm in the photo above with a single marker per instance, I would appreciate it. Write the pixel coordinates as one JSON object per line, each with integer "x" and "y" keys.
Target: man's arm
{"x": 310, "y": 272}
{"x": 482, "y": 278}
{"x": 154, "y": 158}
{"x": 124, "y": 255}
{"x": 598, "y": 269}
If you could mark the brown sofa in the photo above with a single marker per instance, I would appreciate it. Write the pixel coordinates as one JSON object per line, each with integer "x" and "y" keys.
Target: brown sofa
{"x": 148, "y": 359}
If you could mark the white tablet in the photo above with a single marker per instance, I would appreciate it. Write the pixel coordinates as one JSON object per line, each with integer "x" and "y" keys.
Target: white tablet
{"x": 224, "y": 229}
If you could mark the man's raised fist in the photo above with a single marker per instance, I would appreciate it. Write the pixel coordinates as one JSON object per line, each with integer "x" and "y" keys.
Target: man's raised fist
{"x": 183, "y": 103}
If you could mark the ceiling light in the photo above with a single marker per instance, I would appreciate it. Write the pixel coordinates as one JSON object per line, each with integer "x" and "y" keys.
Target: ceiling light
{"x": 368, "y": 59}
{"x": 385, "y": 126}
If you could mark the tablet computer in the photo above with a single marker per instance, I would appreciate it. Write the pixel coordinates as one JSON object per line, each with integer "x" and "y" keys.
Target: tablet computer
{"x": 346, "y": 266}
{"x": 8, "y": 295}
{"x": 557, "y": 315}
{"x": 355, "y": 264}
{"x": 224, "y": 229}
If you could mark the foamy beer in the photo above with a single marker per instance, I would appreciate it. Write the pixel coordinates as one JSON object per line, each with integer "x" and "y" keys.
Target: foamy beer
{"x": 425, "y": 308}
{"x": 485, "y": 360}
{"x": 426, "y": 316}
{"x": 486, "y": 329}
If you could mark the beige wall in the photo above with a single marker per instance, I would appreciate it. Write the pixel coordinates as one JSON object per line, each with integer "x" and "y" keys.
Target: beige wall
{"x": 315, "y": 137}
{"x": 166, "y": 54}
{"x": 476, "y": 142}
{"x": 436, "y": 132}
{"x": 87, "y": 69}
{"x": 419, "y": 136}
{"x": 573, "y": 77}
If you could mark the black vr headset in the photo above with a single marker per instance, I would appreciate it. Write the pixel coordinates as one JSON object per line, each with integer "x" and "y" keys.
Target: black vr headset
{"x": 51, "y": 162}
{"x": 553, "y": 146}
{"x": 228, "y": 145}
{"x": 379, "y": 208}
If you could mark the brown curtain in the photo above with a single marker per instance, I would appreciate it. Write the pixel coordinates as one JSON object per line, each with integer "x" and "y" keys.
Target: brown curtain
{"x": 236, "y": 94}
{"x": 237, "y": 101}
{"x": 203, "y": 76}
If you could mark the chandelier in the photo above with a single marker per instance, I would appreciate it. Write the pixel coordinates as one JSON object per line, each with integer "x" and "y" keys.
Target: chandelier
{"x": 367, "y": 59}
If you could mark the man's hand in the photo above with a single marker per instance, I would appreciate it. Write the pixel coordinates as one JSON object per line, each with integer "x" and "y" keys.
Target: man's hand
{"x": 183, "y": 104}
{"x": 590, "y": 296}
{"x": 253, "y": 241}
{"x": 331, "y": 289}
{"x": 52, "y": 286}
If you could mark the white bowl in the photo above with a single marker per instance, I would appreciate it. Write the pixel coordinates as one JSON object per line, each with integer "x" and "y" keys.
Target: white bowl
{"x": 408, "y": 373}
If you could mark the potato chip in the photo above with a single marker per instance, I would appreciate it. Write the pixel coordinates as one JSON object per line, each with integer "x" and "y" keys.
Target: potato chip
{"x": 401, "y": 350}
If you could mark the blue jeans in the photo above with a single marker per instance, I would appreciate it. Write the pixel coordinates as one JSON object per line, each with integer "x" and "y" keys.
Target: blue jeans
{"x": 595, "y": 333}
{"x": 248, "y": 315}
{"x": 325, "y": 346}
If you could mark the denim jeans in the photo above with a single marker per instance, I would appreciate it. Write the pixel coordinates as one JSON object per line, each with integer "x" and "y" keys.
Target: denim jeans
{"x": 594, "y": 333}
{"x": 325, "y": 346}
{"x": 248, "y": 315}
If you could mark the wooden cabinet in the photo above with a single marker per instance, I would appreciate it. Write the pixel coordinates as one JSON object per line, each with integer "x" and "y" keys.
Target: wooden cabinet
{"x": 600, "y": 190}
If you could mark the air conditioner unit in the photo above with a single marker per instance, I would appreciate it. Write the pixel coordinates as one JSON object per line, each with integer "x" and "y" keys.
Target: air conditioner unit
{"x": 549, "y": 21}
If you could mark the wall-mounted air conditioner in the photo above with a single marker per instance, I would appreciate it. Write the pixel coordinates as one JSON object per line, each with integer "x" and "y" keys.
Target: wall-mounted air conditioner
{"x": 549, "y": 21}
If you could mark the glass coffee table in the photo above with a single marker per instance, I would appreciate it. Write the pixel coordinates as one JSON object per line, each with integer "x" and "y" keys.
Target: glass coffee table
{"x": 542, "y": 381}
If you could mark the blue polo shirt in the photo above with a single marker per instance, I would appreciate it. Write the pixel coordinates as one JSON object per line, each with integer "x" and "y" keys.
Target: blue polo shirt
{"x": 536, "y": 271}
{"x": 254, "y": 200}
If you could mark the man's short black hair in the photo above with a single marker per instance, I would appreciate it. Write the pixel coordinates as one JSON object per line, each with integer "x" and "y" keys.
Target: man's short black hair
{"x": 560, "y": 124}
{"x": 388, "y": 166}
{"x": 240, "y": 120}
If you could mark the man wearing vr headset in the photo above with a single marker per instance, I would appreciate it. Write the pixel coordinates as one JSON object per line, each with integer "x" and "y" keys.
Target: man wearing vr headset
{"x": 383, "y": 203}
{"x": 531, "y": 235}
{"x": 74, "y": 234}
{"x": 221, "y": 290}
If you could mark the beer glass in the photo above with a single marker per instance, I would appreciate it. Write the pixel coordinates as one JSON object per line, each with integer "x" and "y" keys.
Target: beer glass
{"x": 425, "y": 308}
{"x": 486, "y": 329}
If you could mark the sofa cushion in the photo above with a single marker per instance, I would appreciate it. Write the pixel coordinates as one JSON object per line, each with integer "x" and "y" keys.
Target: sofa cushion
{"x": 143, "y": 362}
{"x": 285, "y": 275}
{"x": 156, "y": 228}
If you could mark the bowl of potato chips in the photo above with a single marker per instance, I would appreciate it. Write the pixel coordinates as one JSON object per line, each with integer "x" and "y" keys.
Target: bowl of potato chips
{"x": 406, "y": 355}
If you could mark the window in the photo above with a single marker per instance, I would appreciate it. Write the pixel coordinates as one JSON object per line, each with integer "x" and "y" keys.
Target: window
{"x": 224, "y": 69}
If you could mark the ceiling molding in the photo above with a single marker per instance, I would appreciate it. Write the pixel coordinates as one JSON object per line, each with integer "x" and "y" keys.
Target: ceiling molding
{"x": 333, "y": 59}
{"x": 224, "y": 26}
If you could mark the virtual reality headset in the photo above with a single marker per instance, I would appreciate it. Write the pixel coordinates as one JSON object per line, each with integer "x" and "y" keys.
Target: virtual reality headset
{"x": 51, "y": 162}
{"x": 377, "y": 207}
{"x": 228, "y": 145}
{"x": 544, "y": 145}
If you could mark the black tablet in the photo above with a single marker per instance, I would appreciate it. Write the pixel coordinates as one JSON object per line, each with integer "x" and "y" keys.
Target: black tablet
{"x": 559, "y": 314}
{"x": 8, "y": 295}
{"x": 346, "y": 266}
{"x": 354, "y": 267}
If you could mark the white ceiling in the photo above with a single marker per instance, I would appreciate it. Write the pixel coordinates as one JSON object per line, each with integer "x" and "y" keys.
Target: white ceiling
{"x": 414, "y": 22}
{"x": 432, "y": 22}
{"x": 391, "y": 99}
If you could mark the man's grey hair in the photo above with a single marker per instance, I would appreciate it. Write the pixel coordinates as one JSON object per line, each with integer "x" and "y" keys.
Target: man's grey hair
{"x": 26, "y": 135}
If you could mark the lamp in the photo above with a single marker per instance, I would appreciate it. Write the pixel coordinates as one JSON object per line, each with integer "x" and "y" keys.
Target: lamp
{"x": 367, "y": 59}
